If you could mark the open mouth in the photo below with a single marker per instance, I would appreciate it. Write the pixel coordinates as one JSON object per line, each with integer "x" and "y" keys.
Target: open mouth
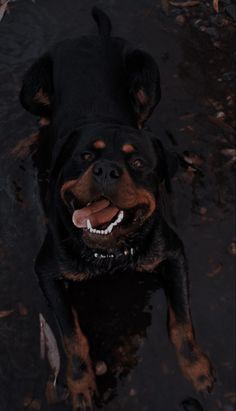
{"x": 102, "y": 218}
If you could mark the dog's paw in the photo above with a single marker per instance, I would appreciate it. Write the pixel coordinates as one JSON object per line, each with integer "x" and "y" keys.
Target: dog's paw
{"x": 81, "y": 394}
{"x": 198, "y": 369}
{"x": 81, "y": 384}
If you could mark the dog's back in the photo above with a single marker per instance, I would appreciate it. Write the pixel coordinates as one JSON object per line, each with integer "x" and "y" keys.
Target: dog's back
{"x": 95, "y": 64}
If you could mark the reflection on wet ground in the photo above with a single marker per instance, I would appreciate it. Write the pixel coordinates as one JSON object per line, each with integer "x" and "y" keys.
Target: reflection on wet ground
{"x": 125, "y": 319}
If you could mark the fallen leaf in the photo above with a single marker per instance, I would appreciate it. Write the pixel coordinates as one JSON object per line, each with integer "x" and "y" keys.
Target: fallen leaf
{"x": 24, "y": 148}
{"x": 192, "y": 158}
{"x": 231, "y": 396}
{"x": 132, "y": 392}
{"x": 3, "y": 8}
{"x": 32, "y": 404}
{"x": 48, "y": 346}
{"x": 101, "y": 368}
{"x": 165, "y": 6}
{"x": 216, "y": 5}
{"x": 232, "y": 247}
{"x": 190, "y": 3}
{"x": 220, "y": 123}
{"x": 215, "y": 269}
{"x": 188, "y": 116}
{"x": 22, "y": 310}
{"x": 5, "y": 313}
{"x": 203, "y": 211}
{"x": 229, "y": 152}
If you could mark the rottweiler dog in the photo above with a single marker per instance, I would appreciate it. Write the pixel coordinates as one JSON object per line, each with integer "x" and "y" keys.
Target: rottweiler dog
{"x": 106, "y": 174}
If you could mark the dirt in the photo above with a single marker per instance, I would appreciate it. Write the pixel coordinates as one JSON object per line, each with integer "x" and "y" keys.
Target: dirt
{"x": 126, "y": 321}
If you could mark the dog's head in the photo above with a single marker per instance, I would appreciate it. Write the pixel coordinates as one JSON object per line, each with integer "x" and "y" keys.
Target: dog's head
{"x": 106, "y": 181}
{"x": 105, "y": 176}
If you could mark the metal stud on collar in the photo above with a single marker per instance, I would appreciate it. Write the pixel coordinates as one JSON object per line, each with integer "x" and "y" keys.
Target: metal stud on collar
{"x": 125, "y": 253}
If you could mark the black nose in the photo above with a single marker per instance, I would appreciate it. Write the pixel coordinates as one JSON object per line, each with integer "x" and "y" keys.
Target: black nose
{"x": 106, "y": 172}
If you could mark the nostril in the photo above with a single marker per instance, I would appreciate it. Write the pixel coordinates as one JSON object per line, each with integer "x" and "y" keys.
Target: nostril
{"x": 114, "y": 174}
{"x": 97, "y": 171}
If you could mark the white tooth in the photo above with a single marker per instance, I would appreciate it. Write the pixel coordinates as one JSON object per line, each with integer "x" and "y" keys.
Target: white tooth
{"x": 109, "y": 229}
{"x": 88, "y": 224}
{"x": 102, "y": 232}
{"x": 106, "y": 231}
{"x": 132, "y": 251}
{"x": 93, "y": 230}
{"x": 98, "y": 232}
{"x": 120, "y": 217}
{"x": 95, "y": 255}
{"x": 126, "y": 252}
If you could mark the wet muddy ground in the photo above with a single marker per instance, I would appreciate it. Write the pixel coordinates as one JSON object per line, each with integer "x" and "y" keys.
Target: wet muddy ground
{"x": 196, "y": 52}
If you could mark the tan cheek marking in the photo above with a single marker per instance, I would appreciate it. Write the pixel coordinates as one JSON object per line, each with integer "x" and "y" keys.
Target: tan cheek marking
{"x": 99, "y": 144}
{"x": 133, "y": 195}
{"x": 128, "y": 148}
{"x": 79, "y": 187}
{"x": 68, "y": 185}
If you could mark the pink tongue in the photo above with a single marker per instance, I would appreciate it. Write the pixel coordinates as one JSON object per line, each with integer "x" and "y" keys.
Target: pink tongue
{"x": 98, "y": 213}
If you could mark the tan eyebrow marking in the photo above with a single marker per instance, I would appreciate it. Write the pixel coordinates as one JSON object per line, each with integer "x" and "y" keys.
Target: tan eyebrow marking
{"x": 41, "y": 97}
{"x": 99, "y": 144}
{"x": 128, "y": 148}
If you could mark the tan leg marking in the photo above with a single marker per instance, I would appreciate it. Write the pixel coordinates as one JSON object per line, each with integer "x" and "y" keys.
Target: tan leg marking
{"x": 82, "y": 388}
{"x": 194, "y": 364}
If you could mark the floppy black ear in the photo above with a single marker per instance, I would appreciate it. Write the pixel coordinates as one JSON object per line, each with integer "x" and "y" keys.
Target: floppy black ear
{"x": 144, "y": 84}
{"x": 36, "y": 94}
{"x": 167, "y": 163}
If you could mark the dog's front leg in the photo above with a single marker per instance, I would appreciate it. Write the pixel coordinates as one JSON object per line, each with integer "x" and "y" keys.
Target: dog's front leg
{"x": 194, "y": 364}
{"x": 80, "y": 376}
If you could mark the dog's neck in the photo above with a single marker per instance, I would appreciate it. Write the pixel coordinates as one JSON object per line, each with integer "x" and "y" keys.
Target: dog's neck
{"x": 116, "y": 254}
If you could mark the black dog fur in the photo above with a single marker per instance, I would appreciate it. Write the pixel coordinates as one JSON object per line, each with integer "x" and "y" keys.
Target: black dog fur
{"x": 96, "y": 93}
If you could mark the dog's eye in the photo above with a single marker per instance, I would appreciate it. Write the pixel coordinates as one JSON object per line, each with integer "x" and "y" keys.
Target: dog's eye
{"x": 87, "y": 156}
{"x": 137, "y": 163}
